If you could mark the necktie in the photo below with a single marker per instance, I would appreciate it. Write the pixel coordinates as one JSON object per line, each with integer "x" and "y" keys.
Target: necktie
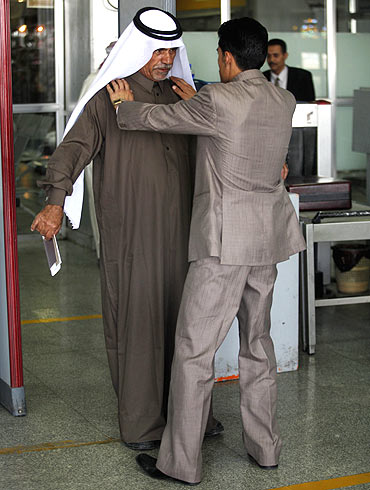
{"x": 277, "y": 82}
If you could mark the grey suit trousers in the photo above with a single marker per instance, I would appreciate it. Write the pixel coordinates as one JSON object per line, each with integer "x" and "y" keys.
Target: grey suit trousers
{"x": 213, "y": 295}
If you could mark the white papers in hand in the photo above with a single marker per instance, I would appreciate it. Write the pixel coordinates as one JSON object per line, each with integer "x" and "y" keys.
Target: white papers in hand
{"x": 53, "y": 255}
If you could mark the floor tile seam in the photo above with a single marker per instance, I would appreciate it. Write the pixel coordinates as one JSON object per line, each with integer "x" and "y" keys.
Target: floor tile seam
{"x": 83, "y": 416}
{"x": 71, "y": 407}
{"x": 94, "y": 425}
{"x": 36, "y": 378}
{"x": 94, "y": 353}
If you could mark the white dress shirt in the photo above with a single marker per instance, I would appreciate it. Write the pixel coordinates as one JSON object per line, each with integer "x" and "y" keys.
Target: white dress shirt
{"x": 283, "y": 77}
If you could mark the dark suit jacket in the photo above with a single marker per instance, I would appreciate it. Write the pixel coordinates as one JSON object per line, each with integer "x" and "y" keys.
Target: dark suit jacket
{"x": 300, "y": 84}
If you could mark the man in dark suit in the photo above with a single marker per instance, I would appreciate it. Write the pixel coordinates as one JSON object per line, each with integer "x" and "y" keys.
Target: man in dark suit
{"x": 296, "y": 80}
{"x": 302, "y": 147}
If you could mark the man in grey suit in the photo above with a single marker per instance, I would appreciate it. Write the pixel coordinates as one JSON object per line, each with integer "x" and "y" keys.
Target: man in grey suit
{"x": 243, "y": 224}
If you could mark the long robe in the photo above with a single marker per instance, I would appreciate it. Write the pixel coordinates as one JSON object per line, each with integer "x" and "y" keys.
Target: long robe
{"x": 142, "y": 188}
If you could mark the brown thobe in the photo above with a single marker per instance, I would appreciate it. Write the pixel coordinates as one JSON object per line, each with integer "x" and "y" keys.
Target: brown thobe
{"x": 142, "y": 188}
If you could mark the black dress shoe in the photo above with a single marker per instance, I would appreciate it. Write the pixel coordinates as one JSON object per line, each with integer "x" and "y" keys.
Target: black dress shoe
{"x": 217, "y": 429}
{"x": 264, "y": 467}
{"x": 148, "y": 464}
{"x": 142, "y": 446}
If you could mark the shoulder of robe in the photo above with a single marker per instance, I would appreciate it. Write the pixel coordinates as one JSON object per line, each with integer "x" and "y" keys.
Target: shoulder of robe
{"x": 99, "y": 100}
{"x": 98, "y": 104}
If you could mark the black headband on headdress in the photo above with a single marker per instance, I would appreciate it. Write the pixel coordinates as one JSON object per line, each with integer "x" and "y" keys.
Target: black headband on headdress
{"x": 154, "y": 33}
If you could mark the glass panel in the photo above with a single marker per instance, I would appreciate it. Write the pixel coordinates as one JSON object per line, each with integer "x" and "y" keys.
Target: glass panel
{"x": 353, "y": 41}
{"x": 32, "y": 51}
{"x": 353, "y": 71}
{"x": 34, "y": 142}
{"x": 346, "y": 158}
{"x": 302, "y": 27}
{"x": 351, "y": 164}
{"x": 199, "y": 15}
{"x": 286, "y": 16}
{"x": 353, "y": 16}
{"x": 203, "y": 61}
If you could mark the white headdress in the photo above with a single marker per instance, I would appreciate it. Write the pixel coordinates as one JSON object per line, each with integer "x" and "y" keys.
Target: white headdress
{"x": 151, "y": 29}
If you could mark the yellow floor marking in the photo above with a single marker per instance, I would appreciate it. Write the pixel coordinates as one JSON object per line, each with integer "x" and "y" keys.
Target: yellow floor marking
{"x": 49, "y": 446}
{"x": 344, "y": 481}
{"x": 66, "y": 319}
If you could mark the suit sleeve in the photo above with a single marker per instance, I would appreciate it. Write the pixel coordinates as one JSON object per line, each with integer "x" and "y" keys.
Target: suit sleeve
{"x": 195, "y": 116}
{"x": 267, "y": 74}
{"x": 310, "y": 87}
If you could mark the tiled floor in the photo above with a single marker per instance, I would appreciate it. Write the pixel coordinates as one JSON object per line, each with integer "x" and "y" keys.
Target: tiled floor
{"x": 324, "y": 407}
{"x": 69, "y": 438}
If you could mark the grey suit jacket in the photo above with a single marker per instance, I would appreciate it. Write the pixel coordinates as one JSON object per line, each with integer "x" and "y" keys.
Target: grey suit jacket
{"x": 241, "y": 210}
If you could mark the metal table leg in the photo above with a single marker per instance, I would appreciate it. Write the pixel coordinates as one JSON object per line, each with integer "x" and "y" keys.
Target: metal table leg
{"x": 310, "y": 288}
{"x": 303, "y": 299}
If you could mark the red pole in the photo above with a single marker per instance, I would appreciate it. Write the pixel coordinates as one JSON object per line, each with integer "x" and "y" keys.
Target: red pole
{"x": 8, "y": 177}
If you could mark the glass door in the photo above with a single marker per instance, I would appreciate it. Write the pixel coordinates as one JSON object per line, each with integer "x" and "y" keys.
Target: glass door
{"x": 37, "y": 89}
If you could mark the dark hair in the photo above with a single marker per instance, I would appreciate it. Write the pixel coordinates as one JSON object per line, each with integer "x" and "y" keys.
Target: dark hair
{"x": 278, "y": 42}
{"x": 246, "y": 40}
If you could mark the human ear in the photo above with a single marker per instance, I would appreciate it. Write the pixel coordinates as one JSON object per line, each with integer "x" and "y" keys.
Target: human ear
{"x": 228, "y": 57}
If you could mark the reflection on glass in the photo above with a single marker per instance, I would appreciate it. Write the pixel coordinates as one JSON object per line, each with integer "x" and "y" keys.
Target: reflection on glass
{"x": 34, "y": 142}
{"x": 32, "y": 51}
{"x": 310, "y": 61}
{"x": 297, "y": 16}
{"x": 353, "y": 16}
{"x": 200, "y": 15}
{"x": 302, "y": 26}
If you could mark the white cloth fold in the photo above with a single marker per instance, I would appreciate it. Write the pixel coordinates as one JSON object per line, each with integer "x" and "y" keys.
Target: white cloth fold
{"x": 131, "y": 52}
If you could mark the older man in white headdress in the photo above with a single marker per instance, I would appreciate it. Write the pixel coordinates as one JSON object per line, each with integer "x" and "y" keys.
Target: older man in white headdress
{"x": 142, "y": 188}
